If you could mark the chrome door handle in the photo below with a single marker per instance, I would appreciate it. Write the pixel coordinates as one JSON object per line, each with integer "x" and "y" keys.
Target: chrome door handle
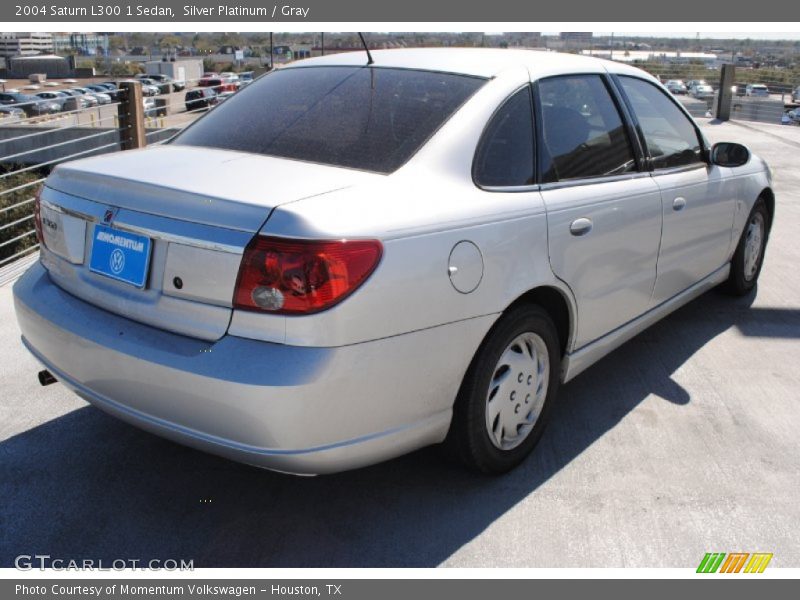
{"x": 679, "y": 203}
{"x": 580, "y": 226}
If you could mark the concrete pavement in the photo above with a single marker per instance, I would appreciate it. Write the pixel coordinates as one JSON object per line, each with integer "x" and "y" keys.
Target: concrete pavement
{"x": 683, "y": 441}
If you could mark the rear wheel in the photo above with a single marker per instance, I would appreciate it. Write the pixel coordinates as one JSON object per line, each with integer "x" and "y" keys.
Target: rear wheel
{"x": 507, "y": 394}
{"x": 749, "y": 256}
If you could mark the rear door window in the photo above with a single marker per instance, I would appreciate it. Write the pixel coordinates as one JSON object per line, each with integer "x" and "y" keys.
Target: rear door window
{"x": 363, "y": 117}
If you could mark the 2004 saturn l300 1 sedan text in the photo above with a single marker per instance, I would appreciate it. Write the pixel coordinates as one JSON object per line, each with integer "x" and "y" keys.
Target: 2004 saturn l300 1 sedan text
{"x": 349, "y": 260}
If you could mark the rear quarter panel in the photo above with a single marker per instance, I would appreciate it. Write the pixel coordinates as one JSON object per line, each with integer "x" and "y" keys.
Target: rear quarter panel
{"x": 419, "y": 213}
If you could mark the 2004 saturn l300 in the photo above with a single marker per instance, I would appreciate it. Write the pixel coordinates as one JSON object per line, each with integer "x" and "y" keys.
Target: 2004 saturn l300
{"x": 347, "y": 261}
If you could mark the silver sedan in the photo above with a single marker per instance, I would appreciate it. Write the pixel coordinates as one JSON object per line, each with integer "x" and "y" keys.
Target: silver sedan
{"x": 347, "y": 261}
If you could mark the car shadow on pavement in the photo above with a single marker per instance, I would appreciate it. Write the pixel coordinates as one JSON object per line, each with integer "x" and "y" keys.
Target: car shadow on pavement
{"x": 86, "y": 486}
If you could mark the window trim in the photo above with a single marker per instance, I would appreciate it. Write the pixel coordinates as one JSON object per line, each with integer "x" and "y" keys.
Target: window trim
{"x": 636, "y": 150}
{"x": 473, "y": 168}
{"x": 705, "y": 159}
{"x": 555, "y": 185}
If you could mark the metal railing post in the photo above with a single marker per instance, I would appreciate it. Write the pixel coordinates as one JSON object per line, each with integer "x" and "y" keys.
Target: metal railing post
{"x": 131, "y": 116}
{"x": 725, "y": 95}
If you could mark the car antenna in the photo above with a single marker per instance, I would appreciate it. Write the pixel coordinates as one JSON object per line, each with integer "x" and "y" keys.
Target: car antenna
{"x": 366, "y": 49}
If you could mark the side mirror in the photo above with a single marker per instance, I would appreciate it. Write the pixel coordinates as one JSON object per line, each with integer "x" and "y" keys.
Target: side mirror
{"x": 729, "y": 154}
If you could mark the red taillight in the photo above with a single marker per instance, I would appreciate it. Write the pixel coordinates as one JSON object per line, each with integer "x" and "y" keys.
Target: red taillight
{"x": 37, "y": 217}
{"x": 302, "y": 276}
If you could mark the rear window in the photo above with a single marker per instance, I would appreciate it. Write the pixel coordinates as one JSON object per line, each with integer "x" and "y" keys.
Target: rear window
{"x": 366, "y": 118}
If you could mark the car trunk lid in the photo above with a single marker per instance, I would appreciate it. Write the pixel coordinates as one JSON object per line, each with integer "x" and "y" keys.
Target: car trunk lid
{"x": 177, "y": 218}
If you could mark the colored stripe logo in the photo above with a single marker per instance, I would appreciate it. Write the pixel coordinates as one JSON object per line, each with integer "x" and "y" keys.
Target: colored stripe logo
{"x": 734, "y": 562}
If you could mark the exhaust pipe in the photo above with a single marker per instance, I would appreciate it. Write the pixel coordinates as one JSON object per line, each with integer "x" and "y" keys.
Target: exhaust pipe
{"x": 46, "y": 377}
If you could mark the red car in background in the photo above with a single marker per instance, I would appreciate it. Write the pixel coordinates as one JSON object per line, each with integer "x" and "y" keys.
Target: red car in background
{"x": 219, "y": 84}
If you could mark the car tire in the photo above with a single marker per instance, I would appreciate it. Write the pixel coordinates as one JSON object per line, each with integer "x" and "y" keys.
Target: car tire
{"x": 749, "y": 255}
{"x": 517, "y": 366}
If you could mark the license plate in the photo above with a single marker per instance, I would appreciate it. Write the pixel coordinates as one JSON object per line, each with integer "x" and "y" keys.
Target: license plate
{"x": 120, "y": 255}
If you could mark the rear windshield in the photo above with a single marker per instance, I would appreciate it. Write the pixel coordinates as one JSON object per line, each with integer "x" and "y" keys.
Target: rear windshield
{"x": 366, "y": 118}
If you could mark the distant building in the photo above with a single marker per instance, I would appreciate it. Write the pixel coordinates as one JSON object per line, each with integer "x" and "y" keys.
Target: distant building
{"x": 21, "y": 67}
{"x": 292, "y": 52}
{"x": 188, "y": 70}
{"x": 81, "y": 43}
{"x": 301, "y": 51}
{"x": 25, "y": 44}
{"x": 530, "y": 39}
{"x": 576, "y": 39}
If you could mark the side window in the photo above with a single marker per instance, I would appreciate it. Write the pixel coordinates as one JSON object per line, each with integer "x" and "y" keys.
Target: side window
{"x": 583, "y": 132}
{"x": 670, "y": 136}
{"x": 505, "y": 152}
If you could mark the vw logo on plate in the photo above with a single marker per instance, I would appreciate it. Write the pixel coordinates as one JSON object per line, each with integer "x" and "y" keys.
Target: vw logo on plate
{"x": 117, "y": 261}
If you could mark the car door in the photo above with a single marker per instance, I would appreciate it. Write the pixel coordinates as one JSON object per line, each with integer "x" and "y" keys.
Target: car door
{"x": 697, "y": 208}
{"x": 603, "y": 208}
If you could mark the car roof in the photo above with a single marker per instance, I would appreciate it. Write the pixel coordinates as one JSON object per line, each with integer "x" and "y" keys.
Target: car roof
{"x": 479, "y": 62}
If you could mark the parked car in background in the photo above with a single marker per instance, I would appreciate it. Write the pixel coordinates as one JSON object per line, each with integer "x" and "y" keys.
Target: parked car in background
{"x": 200, "y": 98}
{"x": 796, "y": 95}
{"x": 166, "y": 83}
{"x": 101, "y": 89}
{"x": 150, "y": 107}
{"x": 66, "y": 99}
{"x": 32, "y": 105}
{"x": 756, "y": 89}
{"x": 112, "y": 89}
{"x": 701, "y": 90}
{"x": 230, "y": 77}
{"x": 245, "y": 78}
{"x": 791, "y": 117}
{"x": 11, "y": 113}
{"x": 149, "y": 87}
{"x": 59, "y": 98}
{"x": 90, "y": 99}
{"x": 101, "y": 97}
{"x": 345, "y": 262}
{"x": 218, "y": 84}
{"x": 676, "y": 86}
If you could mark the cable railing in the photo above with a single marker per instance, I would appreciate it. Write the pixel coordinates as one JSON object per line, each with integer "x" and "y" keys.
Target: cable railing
{"x": 95, "y": 123}
{"x": 10, "y": 157}
{"x": 18, "y": 204}
{"x": 18, "y": 255}
{"x": 21, "y": 187}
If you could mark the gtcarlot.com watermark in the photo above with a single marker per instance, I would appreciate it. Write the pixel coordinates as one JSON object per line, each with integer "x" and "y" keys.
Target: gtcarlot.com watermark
{"x": 42, "y": 562}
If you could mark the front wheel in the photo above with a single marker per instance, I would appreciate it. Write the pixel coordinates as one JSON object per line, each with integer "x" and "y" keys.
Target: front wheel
{"x": 749, "y": 256}
{"x": 505, "y": 399}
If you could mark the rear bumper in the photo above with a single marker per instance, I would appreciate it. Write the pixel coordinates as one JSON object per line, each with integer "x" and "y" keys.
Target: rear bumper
{"x": 289, "y": 408}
